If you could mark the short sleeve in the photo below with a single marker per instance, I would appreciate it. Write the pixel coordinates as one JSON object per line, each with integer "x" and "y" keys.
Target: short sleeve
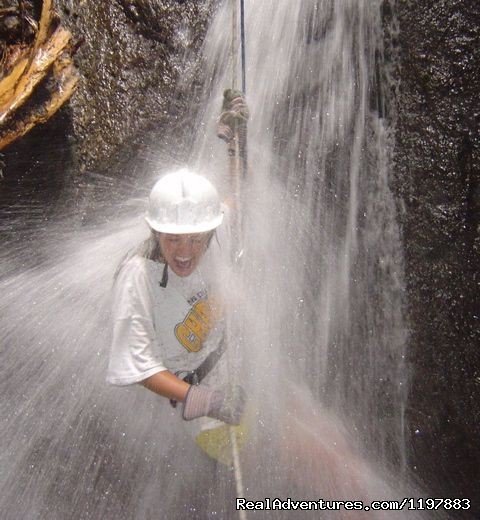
{"x": 132, "y": 355}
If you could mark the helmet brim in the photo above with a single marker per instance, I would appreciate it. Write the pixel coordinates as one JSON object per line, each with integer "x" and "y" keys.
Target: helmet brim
{"x": 184, "y": 229}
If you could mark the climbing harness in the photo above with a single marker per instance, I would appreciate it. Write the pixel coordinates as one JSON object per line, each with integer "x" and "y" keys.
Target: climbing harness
{"x": 195, "y": 377}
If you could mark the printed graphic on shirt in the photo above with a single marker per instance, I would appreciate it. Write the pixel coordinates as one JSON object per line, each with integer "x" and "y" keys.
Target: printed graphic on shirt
{"x": 198, "y": 323}
{"x": 199, "y": 296}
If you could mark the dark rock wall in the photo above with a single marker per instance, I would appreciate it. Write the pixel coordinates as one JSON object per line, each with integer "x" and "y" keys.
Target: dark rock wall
{"x": 132, "y": 62}
{"x": 437, "y": 166}
{"x": 139, "y": 72}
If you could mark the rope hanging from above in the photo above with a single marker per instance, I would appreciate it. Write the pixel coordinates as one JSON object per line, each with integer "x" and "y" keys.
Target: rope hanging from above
{"x": 232, "y": 128}
{"x": 242, "y": 38}
{"x": 234, "y": 44}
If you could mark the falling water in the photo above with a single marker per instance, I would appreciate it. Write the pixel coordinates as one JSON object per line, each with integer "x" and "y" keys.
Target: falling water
{"x": 319, "y": 305}
{"x": 323, "y": 238}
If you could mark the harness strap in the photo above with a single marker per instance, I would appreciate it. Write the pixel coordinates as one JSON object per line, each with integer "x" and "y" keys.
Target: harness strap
{"x": 208, "y": 364}
{"x": 195, "y": 377}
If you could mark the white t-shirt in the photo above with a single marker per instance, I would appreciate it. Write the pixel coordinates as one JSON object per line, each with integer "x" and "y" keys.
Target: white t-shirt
{"x": 155, "y": 328}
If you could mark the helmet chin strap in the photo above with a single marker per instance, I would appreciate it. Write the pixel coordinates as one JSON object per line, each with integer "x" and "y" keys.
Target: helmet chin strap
{"x": 164, "y": 280}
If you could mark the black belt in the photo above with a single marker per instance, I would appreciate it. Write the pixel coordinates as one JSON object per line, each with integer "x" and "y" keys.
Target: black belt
{"x": 195, "y": 377}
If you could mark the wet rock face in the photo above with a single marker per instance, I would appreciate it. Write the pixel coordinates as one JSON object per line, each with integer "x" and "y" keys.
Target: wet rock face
{"x": 132, "y": 62}
{"x": 437, "y": 177}
{"x": 139, "y": 73}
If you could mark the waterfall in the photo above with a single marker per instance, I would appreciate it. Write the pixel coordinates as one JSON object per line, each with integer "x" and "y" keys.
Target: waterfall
{"x": 323, "y": 240}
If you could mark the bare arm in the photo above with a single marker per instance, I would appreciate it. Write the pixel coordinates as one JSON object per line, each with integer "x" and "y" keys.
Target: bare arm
{"x": 168, "y": 385}
{"x": 202, "y": 400}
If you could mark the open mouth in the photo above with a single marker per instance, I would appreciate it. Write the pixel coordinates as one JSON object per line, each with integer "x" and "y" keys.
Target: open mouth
{"x": 183, "y": 264}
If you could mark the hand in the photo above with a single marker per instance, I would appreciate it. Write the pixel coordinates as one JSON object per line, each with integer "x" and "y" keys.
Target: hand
{"x": 226, "y": 406}
{"x": 235, "y": 113}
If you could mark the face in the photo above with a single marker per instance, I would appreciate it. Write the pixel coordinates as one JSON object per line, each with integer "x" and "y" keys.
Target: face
{"x": 183, "y": 252}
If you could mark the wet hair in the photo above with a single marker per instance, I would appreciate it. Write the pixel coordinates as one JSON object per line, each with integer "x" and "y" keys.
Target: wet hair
{"x": 150, "y": 248}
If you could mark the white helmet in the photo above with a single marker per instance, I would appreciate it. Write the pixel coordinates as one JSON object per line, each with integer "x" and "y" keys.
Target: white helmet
{"x": 183, "y": 202}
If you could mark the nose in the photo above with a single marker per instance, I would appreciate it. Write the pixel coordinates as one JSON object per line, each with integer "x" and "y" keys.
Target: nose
{"x": 185, "y": 246}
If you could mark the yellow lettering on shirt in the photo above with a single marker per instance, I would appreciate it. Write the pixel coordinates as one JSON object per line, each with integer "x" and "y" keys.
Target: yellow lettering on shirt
{"x": 197, "y": 325}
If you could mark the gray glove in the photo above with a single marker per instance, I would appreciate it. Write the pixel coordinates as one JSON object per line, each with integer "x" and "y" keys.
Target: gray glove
{"x": 226, "y": 406}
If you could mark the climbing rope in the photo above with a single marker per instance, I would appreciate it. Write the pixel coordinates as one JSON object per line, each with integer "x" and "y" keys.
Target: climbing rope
{"x": 234, "y": 45}
{"x": 232, "y": 128}
{"x": 242, "y": 35}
